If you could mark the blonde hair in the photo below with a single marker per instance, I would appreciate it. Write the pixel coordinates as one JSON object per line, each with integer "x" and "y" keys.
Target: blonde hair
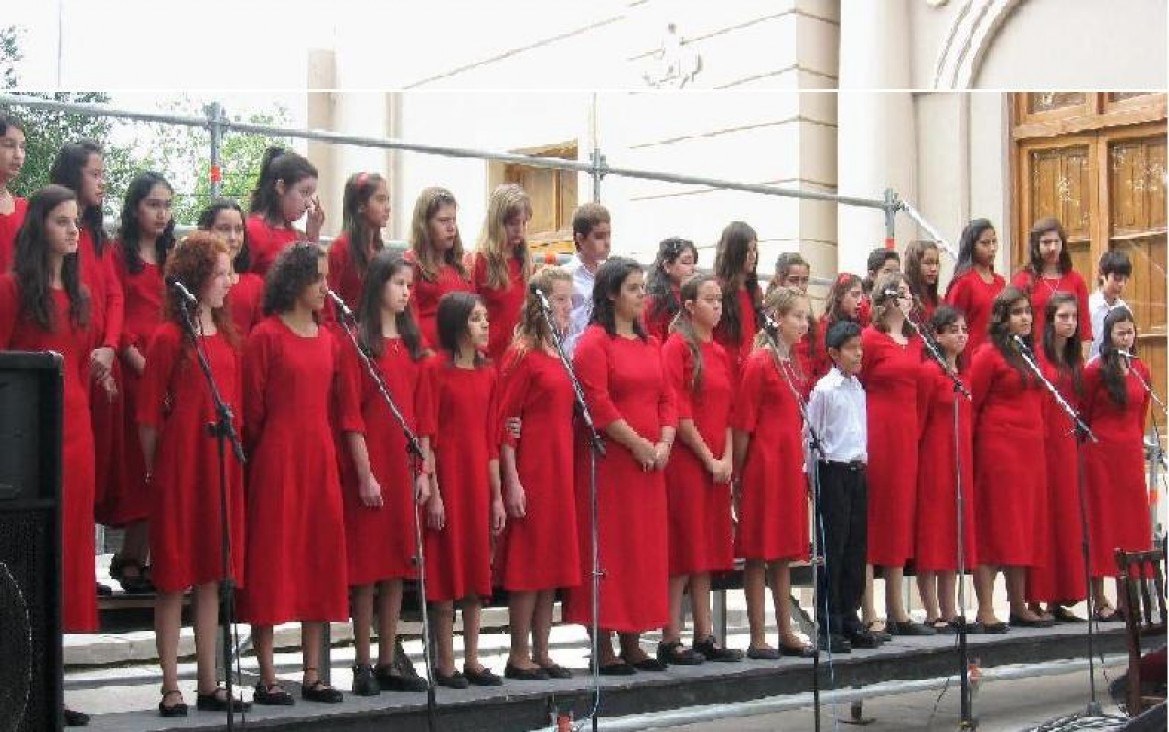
{"x": 430, "y": 200}
{"x": 884, "y": 304}
{"x": 781, "y": 301}
{"x": 506, "y": 201}
{"x": 531, "y": 331}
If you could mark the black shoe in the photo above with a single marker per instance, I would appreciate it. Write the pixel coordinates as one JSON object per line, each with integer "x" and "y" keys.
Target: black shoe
{"x": 454, "y": 681}
{"x": 272, "y": 696}
{"x": 617, "y": 668}
{"x": 648, "y": 663}
{"x": 908, "y": 627}
{"x": 1021, "y": 622}
{"x": 762, "y": 654}
{"x": 980, "y": 628}
{"x": 389, "y": 681}
{"x": 76, "y": 719}
{"x": 322, "y": 693}
{"x": 800, "y": 651}
{"x": 675, "y": 654}
{"x": 556, "y": 671}
{"x": 864, "y": 640}
{"x": 836, "y": 644}
{"x": 524, "y": 674}
{"x": 1063, "y": 615}
{"x": 364, "y": 682}
{"x": 482, "y": 677}
{"x": 216, "y": 701}
{"x": 178, "y": 709}
{"x": 104, "y": 590}
{"x": 711, "y": 652}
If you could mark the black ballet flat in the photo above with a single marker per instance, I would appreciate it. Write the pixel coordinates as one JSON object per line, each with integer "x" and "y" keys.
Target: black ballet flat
{"x": 1022, "y": 622}
{"x": 525, "y": 674}
{"x": 648, "y": 663}
{"x": 616, "y": 668}
{"x": 455, "y": 681}
{"x": 482, "y": 677}
{"x": 272, "y": 696}
{"x": 556, "y": 671}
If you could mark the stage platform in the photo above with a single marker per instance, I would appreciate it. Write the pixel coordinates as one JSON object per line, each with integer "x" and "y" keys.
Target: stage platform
{"x": 527, "y": 705}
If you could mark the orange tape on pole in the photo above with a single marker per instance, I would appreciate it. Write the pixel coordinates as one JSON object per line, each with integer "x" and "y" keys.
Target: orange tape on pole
{"x": 216, "y": 174}
{"x": 890, "y": 243}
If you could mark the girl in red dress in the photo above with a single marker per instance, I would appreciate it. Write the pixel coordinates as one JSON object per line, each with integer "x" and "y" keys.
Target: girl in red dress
{"x": 286, "y": 190}
{"x": 295, "y": 556}
{"x": 502, "y": 263}
{"x": 377, "y": 479}
{"x": 44, "y": 306}
{"x": 537, "y": 552}
{"x": 881, "y": 261}
{"x": 147, "y": 236}
{"x": 935, "y": 553}
{"x": 975, "y": 285}
{"x": 1010, "y": 483}
{"x": 173, "y": 408}
{"x": 12, "y": 206}
{"x": 466, "y": 506}
{"x": 734, "y": 266}
{"x": 792, "y": 270}
{"x": 632, "y": 404}
{"x": 1050, "y": 271}
{"x": 1059, "y": 579}
{"x": 365, "y": 210}
{"x": 673, "y": 265}
{"x": 699, "y": 472}
{"x": 245, "y": 301}
{"x": 1115, "y": 406}
{"x": 890, "y": 374}
{"x": 80, "y": 167}
{"x": 770, "y": 488}
{"x": 842, "y": 302}
{"x": 922, "y": 265}
{"x": 436, "y": 253}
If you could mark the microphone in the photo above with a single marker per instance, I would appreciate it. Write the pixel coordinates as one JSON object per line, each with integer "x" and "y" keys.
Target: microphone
{"x": 1126, "y": 355}
{"x": 769, "y": 324}
{"x": 1020, "y": 344}
{"x": 535, "y": 290}
{"x": 181, "y": 289}
{"x": 342, "y": 307}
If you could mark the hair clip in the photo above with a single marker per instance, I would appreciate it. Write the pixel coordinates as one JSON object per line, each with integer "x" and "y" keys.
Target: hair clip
{"x": 362, "y": 179}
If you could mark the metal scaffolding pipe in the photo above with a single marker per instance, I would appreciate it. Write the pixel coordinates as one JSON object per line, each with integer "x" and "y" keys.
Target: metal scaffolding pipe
{"x": 597, "y": 167}
{"x": 771, "y": 705}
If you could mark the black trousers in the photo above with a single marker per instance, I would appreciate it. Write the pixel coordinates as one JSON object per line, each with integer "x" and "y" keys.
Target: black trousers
{"x": 844, "y": 501}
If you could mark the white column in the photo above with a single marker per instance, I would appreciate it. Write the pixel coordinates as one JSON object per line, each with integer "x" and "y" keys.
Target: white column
{"x": 876, "y": 146}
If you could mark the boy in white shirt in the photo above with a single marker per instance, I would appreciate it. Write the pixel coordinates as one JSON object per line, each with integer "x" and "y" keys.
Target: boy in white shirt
{"x": 591, "y": 232}
{"x": 1111, "y": 279}
{"x": 836, "y": 411}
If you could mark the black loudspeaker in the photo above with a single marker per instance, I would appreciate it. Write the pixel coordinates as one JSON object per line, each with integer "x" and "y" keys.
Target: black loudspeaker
{"x": 31, "y": 671}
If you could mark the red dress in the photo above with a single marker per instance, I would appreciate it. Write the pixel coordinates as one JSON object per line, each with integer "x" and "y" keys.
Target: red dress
{"x": 890, "y": 374}
{"x": 265, "y": 242}
{"x": 295, "y": 557}
{"x": 1118, "y": 503}
{"x": 658, "y": 318}
{"x": 503, "y": 306}
{"x": 245, "y": 301}
{"x": 344, "y": 278}
{"x": 143, "y": 293}
{"x": 9, "y": 225}
{"x": 1060, "y": 578}
{"x": 108, "y": 305}
{"x": 973, "y": 298}
{"x": 1041, "y": 291}
{"x": 539, "y": 551}
{"x": 79, "y": 602}
{"x": 383, "y": 537}
{"x": 622, "y": 378}
{"x": 773, "y": 505}
{"x": 184, "y": 495}
{"x": 424, "y": 299}
{"x": 936, "y": 531}
{"x": 1010, "y": 481}
{"x": 699, "y": 509}
{"x": 458, "y": 558}
{"x": 739, "y": 350}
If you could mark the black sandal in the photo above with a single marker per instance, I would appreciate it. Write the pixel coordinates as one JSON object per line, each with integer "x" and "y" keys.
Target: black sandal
{"x": 673, "y": 653}
{"x": 712, "y": 652}
{"x": 319, "y": 691}
{"x": 272, "y": 696}
{"x": 216, "y": 701}
{"x": 178, "y": 709}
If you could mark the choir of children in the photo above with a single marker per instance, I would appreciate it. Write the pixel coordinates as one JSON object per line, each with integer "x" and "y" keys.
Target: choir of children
{"x": 699, "y": 410}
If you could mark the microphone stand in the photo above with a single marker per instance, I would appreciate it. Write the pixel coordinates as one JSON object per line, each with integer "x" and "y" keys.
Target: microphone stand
{"x": 597, "y": 449}
{"x": 966, "y": 702}
{"x": 223, "y": 430}
{"x": 417, "y": 457}
{"x": 815, "y": 453}
{"x": 1083, "y": 435}
{"x": 1156, "y": 454}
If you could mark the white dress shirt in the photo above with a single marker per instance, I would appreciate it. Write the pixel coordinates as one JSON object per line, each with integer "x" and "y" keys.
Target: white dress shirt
{"x": 582, "y": 302}
{"x": 1099, "y": 308}
{"x": 836, "y": 409}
